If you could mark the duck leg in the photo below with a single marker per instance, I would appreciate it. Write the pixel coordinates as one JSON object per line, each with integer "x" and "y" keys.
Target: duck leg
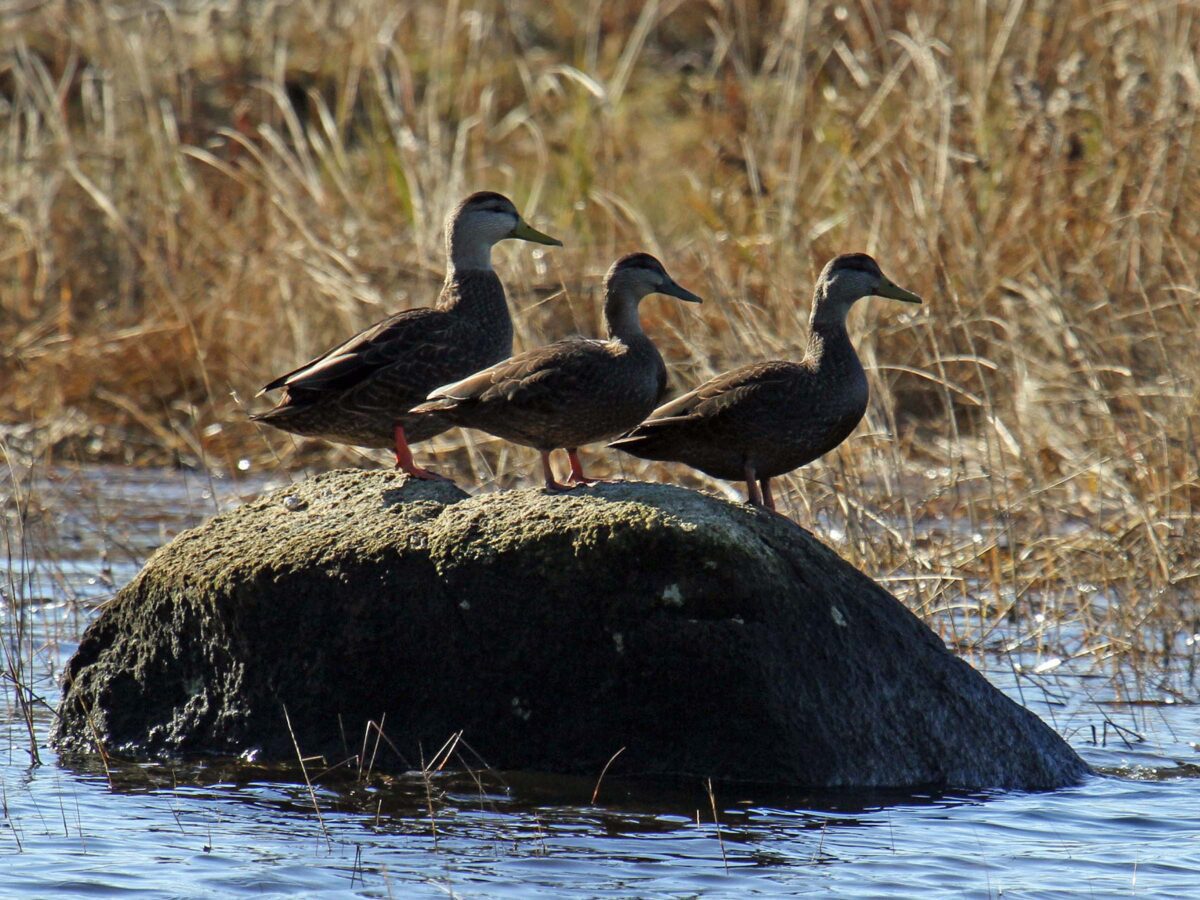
{"x": 404, "y": 460}
{"x": 768, "y": 497}
{"x": 577, "y": 476}
{"x": 753, "y": 494}
{"x": 552, "y": 484}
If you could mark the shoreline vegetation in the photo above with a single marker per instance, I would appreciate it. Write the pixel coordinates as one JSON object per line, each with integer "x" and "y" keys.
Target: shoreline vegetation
{"x": 198, "y": 196}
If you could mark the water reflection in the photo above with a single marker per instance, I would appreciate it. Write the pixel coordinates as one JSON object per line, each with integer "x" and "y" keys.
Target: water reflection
{"x": 233, "y": 827}
{"x": 627, "y": 807}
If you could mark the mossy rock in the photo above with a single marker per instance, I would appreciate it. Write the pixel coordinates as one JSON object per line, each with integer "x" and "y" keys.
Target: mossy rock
{"x": 704, "y": 637}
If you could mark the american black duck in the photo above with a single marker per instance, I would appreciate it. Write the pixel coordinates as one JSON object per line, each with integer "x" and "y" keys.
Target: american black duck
{"x": 572, "y": 392}
{"x": 361, "y": 391}
{"x": 767, "y": 418}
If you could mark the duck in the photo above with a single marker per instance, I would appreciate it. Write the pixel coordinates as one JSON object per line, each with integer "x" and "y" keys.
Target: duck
{"x": 764, "y": 419}
{"x": 577, "y": 391}
{"x": 361, "y": 391}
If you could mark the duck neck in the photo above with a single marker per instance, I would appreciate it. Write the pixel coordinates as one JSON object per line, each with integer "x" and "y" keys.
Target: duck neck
{"x": 467, "y": 250}
{"x": 827, "y": 336}
{"x": 621, "y": 315}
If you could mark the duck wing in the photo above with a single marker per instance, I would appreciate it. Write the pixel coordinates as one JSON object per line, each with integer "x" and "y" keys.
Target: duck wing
{"x": 406, "y": 336}
{"x": 743, "y": 392}
{"x": 539, "y": 380}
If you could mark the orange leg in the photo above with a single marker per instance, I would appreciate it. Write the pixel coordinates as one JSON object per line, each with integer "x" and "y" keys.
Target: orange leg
{"x": 577, "y": 476}
{"x": 552, "y": 484}
{"x": 404, "y": 460}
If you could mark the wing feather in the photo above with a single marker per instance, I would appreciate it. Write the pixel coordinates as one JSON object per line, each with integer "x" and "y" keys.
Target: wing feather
{"x": 357, "y": 359}
{"x": 536, "y": 379}
{"x": 728, "y": 392}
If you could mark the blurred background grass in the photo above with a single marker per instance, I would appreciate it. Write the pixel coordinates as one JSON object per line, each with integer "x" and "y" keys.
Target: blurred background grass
{"x": 196, "y": 196}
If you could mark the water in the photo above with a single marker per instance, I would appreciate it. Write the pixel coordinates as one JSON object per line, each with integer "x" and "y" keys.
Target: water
{"x": 71, "y": 828}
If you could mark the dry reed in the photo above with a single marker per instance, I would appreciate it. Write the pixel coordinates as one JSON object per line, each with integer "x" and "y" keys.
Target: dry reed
{"x": 198, "y": 195}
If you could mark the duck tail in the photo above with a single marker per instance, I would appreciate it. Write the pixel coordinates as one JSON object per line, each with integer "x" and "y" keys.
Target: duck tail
{"x": 431, "y": 407}
{"x": 276, "y": 412}
{"x": 638, "y": 443}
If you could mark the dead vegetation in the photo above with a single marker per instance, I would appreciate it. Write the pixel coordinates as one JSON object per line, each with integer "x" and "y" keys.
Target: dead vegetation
{"x": 196, "y": 196}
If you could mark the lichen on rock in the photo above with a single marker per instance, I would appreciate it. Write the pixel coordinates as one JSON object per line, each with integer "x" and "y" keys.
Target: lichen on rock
{"x": 704, "y": 637}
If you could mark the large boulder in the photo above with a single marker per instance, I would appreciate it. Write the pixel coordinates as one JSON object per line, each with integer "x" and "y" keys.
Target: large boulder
{"x": 704, "y": 637}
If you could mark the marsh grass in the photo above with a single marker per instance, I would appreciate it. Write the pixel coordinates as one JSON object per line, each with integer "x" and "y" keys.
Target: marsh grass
{"x": 196, "y": 196}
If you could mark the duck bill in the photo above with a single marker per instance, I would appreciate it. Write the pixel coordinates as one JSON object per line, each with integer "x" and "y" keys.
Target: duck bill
{"x": 894, "y": 292}
{"x": 525, "y": 232}
{"x": 677, "y": 290}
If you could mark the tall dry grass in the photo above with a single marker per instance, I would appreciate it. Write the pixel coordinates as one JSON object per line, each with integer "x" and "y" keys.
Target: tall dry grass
{"x": 198, "y": 195}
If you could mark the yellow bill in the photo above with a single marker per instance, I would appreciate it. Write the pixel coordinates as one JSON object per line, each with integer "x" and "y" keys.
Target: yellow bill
{"x": 525, "y": 232}
{"x": 893, "y": 291}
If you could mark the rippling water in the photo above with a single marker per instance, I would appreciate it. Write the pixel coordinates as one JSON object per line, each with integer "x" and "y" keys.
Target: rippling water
{"x": 71, "y": 827}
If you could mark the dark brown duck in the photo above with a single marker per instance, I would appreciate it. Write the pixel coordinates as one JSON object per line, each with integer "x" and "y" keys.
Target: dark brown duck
{"x": 572, "y": 392}
{"x": 361, "y": 391}
{"x": 768, "y": 418}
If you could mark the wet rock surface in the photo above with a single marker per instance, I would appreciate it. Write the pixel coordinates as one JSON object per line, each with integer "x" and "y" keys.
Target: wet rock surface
{"x": 704, "y": 637}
